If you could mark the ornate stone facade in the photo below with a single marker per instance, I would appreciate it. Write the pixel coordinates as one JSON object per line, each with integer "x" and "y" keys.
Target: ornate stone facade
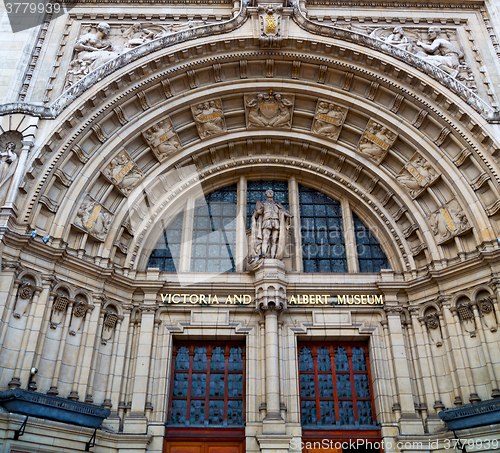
{"x": 121, "y": 123}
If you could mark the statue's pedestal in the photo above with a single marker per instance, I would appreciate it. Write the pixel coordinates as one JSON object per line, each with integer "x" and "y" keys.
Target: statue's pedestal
{"x": 270, "y": 285}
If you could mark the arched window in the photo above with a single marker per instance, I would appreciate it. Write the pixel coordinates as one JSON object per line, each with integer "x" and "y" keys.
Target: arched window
{"x": 167, "y": 251}
{"x": 371, "y": 257}
{"x": 335, "y": 386}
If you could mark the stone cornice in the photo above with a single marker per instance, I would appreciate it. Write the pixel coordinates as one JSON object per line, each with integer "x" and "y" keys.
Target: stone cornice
{"x": 376, "y": 44}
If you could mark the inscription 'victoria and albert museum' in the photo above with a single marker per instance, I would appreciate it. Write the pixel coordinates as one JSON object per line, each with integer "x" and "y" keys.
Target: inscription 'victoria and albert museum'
{"x": 296, "y": 299}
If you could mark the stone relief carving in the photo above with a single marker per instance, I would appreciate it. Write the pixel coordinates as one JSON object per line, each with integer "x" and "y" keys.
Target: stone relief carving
{"x": 8, "y": 164}
{"x": 123, "y": 172}
{"x": 269, "y": 110}
{"x": 328, "y": 119}
{"x": 434, "y": 329}
{"x": 487, "y": 310}
{"x": 100, "y": 43}
{"x": 448, "y": 221}
{"x": 270, "y": 25}
{"x": 376, "y": 141}
{"x": 93, "y": 218}
{"x": 466, "y": 316}
{"x": 58, "y": 311}
{"x": 108, "y": 327}
{"x": 209, "y": 118}
{"x": 270, "y": 224}
{"x": 24, "y": 297}
{"x": 416, "y": 175}
{"x": 79, "y": 311}
{"x": 162, "y": 139}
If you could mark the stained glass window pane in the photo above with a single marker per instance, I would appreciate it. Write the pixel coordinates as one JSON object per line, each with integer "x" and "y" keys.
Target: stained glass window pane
{"x": 308, "y": 413}
{"x": 306, "y": 360}
{"x": 323, "y": 247}
{"x": 234, "y": 412}
{"x": 182, "y": 359}
{"x": 167, "y": 251}
{"x": 346, "y": 412}
{"x": 371, "y": 257}
{"x": 256, "y": 191}
{"x": 358, "y": 359}
{"x": 214, "y": 231}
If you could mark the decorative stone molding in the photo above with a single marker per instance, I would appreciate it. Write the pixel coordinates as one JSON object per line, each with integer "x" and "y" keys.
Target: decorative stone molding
{"x": 269, "y": 110}
{"x": 270, "y": 21}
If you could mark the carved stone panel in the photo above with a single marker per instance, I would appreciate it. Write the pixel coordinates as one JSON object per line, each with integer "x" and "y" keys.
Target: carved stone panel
{"x": 376, "y": 141}
{"x": 162, "y": 139}
{"x": 209, "y": 118}
{"x": 270, "y": 19}
{"x": 269, "y": 110}
{"x": 448, "y": 221}
{"x": 416, "y": 175}
{"x": 123, "y": 172}
{"x": 93, "y": 218}
{"x": 328, "y": 119}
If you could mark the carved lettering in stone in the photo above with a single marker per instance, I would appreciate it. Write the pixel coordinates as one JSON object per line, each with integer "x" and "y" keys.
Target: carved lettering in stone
{"x": 123, "y": 172}
{"x": 328, "y": 119}
{"x": 448, "y": 221}
{"x": 416, "y": 175}
{"x": 270, "y": 25}
{"x": 269, "y": 110}
{"x": 93, "y": 218}
{"x": 162, "y": 139}
{"x": 376, "y": 141}
{"x": 209, "y": 118}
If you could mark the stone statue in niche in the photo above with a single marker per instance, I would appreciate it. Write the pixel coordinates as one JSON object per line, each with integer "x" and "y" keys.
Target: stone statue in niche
{"x": 270, "y": 225}
{"x": 8, "y": 164}
{"x": 93, "y": 218}
{"x": 269, "y": 110}
{"x": 448, "y": 221}
{"x": 110, "y": 320}
{"x": 58, "y": 311}
{"x": 79, "y": 311}
{"x": 466, "y": 316}
{"x": 440, "y": 52}
{"x": 376, "y": 141}
{"x": 24, "y": 297}
{"x": 416, "y": 175}
{"x": 123, "y": 172}
{"x": 434, "y": 328}
{"x": 487, "y": 310}
{"x": 209, "y": 118}
{"x": 162, "y": 139}
{"x": 328, "y": 119}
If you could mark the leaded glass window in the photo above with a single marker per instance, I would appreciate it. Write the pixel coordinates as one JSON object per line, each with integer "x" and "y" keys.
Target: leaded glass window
{"x": 328, "y": 374}
{"x": 214, "y": 232}
{"x": 323, "y": 246}
{"x": 167, "y": 251}
{"x": 371, "y": 257}
{"x": 207, "y": 385}
{"x": 256, "y": 191}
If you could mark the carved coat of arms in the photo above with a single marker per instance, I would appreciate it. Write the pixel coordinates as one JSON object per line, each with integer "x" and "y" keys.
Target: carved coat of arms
{"x": 328, "y": 119}
{"x": 270, "y": 26}
{"x": 209, "y": 118}
{"x": 93, "y": 218}
{"x": 416, "y": 175}
{"x": 162, "y": 139}
{"x": 123, "y": 172}
{"x": 269, "y": 110}
{"x": 376, "y": 141}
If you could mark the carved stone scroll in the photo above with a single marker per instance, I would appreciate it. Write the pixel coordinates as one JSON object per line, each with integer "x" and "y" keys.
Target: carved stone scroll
{"x": 269, "y": 110}
{"x": 416, "y": 175}
{"x": 162, "y": 139}
{"x": 93, "y": 218}
{"x": 328, "y": 119}
{"x": 123, "y": 172}
{"x": 448, "y": 221}
{"x": 376, "y": 141}
{"x": 209, "y": 118}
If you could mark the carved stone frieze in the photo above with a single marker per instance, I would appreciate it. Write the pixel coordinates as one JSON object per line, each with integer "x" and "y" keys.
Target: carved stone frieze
{"x": 269, "y": 110}
{"x": 209, "y": 118}
{"x": 123, "y": 172}
{"x": 416, "y": 175}
{"x": 93, "y": 218}
{"x": 376, "y": 141}
{"x": 162, "y": 139}
{"x": 448, "y": 221}
{"x": 328, "y": 119}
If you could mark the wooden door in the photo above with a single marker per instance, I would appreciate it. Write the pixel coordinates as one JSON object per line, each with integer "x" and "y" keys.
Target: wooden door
{"x": 204, "y": 447}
